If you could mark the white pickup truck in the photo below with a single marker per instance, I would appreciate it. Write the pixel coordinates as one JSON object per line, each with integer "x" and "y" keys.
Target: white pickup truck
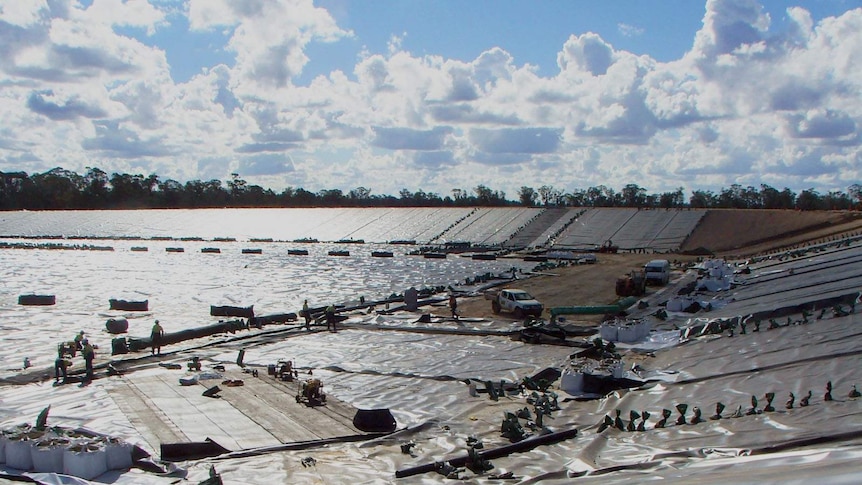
{"x": 518, "y": 302}
{"x": 657, "y": 272}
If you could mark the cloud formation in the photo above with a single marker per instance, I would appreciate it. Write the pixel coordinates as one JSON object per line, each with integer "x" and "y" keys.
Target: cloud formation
{"x": 748, "y": 103}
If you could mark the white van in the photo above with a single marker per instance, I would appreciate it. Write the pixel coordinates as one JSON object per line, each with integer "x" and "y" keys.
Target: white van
{"x": 657, "y": 271}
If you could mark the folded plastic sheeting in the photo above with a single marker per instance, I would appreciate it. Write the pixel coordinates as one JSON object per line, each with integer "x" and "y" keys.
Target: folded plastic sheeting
{"x": 748, "y": 391}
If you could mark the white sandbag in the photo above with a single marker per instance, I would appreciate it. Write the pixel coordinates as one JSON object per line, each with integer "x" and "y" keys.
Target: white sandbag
{"x": 47, "y": 455}
{"x": 8, "y": 434}
{"x": 86, "y": 460}
{"x": 18, "y": 454}
{"x": 608, "y": 332}
{"x": 119, "y": 454}
{"x": 678, "y": 304}
{"x": 627, "y": 334}
{"x": 572, "y": 382}
{"x": 617, "y": 369}
{"x": 644, "y": 328}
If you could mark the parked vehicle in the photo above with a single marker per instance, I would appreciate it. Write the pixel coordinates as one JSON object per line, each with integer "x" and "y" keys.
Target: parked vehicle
{"x": 657, "y": 272}
{"x": 632, "y": 284}
{"x": 518, "y": 302}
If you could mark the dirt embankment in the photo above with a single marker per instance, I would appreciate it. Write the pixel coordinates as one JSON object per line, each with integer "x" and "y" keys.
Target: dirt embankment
{"x": 750, "y": 232}
{"x": 727, "y": 233}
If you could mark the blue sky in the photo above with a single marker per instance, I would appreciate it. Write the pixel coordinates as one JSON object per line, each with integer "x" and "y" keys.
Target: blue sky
{"x": 438, "y": 95}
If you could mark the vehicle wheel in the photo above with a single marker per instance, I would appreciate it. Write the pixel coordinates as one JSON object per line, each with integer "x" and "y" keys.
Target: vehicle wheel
{"x": 495, "y": 307}
{"x": 519, "y": 313}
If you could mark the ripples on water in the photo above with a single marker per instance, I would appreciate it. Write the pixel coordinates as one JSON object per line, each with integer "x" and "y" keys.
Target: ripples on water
{"x": 181, "y": 287}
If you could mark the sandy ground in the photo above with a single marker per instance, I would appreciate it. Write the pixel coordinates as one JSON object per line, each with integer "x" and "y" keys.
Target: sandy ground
{"x": 727, "y": 233}
{"x": 573, "y": 285}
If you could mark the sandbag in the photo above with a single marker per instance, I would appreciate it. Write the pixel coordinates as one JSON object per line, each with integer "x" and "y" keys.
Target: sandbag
{"x": 47, "y": 455}
{"x": 117, "y": 325}
{"x": 119, "y": 454}
{"x": 85, "y": 460}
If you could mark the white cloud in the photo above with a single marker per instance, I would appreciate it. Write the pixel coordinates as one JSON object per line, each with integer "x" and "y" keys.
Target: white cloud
{"x": 128, "y": 13}
{"x": 22, "y": 14}
{"x": 628, "y": 30}
{"x": 408, "y": 139}
{"x": 268, "y": 38}
{"x": 746, "y": 103}
{"x": 587, "y": 53}
{"x": 516, "y": 140}
{"x": 729, "y": 25}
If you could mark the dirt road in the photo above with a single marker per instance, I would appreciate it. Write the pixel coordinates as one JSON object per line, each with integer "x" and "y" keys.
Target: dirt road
{"x": 574, "y": 285}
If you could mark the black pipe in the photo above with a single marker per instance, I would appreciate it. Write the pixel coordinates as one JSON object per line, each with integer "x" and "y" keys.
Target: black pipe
{"x": 230, "y": 326}
{"x": 520, "y": 446}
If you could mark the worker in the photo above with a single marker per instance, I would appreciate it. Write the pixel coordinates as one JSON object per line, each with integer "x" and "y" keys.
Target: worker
{"x": 285, "y": 372}
{"x": 79, "y": 340}
{"x": 156, "y": 336}
{"x": 453, "y": 305}
{"x": 61, "y": 364}
{"x": 89, "y": 353}
{"x": 307, "y": 314}
{"x": 330, "y": 318}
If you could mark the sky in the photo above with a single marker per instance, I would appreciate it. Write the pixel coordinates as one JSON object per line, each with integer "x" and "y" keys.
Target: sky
{"x": 438, "y": 95}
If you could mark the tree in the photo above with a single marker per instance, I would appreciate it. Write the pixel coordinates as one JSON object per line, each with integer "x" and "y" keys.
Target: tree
{"x": 171, "y": 194}
{"x": 484, "y": 195}
{"x": 737, "y": 197}
{"x": 808, "y": 200}
{"x": 549, "y": 195}
{"x": 836, "y": 200}
{"x": 633, "y": 196}
{"x": 55, "y": 189}
{"x": 527, "y": 196}
{"x": 132, "y": 191}
{"x": 855, "y": 194}
{"x": 600, "y": 196}
{"x": 11, "y": 188}
{"x": 359, "y": 195}
{"x": 331, "y": 197}
{"x": 236, "y": 186}
{"x": 214, "y": 194}
{"x": 575, "y": 198}
{"x": 304, "y": 198}
{"x": 702, "y": 199}
{"x": 95, "y": 191}
{"x": 666, "y": 200}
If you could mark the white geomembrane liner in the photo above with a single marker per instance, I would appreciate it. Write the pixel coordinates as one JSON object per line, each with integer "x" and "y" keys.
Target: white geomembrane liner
{"x": 418, "y": 376}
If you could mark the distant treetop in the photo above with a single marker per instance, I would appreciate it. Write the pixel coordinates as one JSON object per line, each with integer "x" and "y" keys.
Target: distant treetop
{"x": 59, "y": 189}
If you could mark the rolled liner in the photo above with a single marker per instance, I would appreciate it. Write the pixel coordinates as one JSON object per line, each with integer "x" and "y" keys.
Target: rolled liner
{"x": 434, "y": 255}
{"x": 232, "y": 311}
{"x": 129, "y": 306}
{"x": 37, "y": 300}
{"x": 382, "y": 254}
{"x": 117, "y": 325}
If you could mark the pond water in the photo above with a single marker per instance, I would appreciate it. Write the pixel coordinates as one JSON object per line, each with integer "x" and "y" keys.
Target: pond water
{"x": 181, "y": 286}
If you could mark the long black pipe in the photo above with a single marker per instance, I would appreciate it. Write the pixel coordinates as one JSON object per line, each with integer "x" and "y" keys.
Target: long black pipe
{"x": 230, "y": 326}
{"x": 520, "y": 446}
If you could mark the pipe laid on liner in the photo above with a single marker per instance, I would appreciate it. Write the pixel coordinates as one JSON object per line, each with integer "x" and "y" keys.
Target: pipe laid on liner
{"x": 520, "y": 446}
{"x": 594, "y": 309}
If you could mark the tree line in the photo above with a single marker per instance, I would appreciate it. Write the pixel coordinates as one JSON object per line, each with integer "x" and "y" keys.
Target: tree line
{"x": 63, "y": 189}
